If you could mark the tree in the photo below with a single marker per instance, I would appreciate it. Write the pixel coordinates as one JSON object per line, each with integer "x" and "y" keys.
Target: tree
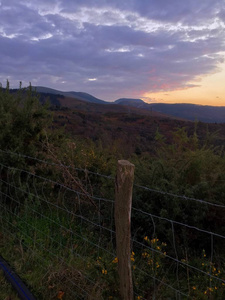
{"x": 23, "y": 120}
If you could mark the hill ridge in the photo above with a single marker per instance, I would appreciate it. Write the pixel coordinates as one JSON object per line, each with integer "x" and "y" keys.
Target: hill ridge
{"x": 189, "y": 111}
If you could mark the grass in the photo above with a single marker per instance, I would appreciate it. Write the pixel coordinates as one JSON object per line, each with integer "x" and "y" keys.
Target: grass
{"x": 68, "y": 268}
{"x": 7, "y": 292}
{"x": 51, "y": 242}
{"x": 50, "y": 258}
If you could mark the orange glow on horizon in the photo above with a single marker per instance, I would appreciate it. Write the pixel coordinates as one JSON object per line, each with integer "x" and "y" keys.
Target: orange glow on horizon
{"x": 211, "y": 91}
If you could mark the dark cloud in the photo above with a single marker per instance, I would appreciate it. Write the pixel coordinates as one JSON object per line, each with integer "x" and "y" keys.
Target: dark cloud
{"x": 130, "y": 47}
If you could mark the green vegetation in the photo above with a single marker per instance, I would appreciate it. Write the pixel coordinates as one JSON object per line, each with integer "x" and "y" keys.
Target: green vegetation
{"x": 56, "y": 227}
{"x": 6, "y": 289}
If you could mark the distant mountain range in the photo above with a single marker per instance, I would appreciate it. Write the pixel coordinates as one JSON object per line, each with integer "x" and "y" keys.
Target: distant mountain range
{"x": 203, "y": 113}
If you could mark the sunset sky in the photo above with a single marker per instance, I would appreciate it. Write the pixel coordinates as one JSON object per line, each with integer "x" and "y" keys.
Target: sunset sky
{"x": 160, "y": 51}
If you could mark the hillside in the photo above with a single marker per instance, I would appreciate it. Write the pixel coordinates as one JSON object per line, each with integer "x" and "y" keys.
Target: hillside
{"x": 203, "y": 113}
{"x": 77, "y": 95}
{"x": 192, "y": 112}
{"x": 59, "y": 204}
{"x": 125, "y": 129}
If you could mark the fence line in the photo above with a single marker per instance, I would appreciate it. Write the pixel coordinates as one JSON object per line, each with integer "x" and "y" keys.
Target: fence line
{"x": 56, "y": 183}
{"x": 180, "y": 197}
{"x": 179, "y": 261}
{"x": 61, "y": 206}
{"x": 113, "y": 178}
{"x": 179, "y": 223}
{"x": 55, "y": 205}
{"x": 162, "y": 282}
{"x": 97, "y": 225}
{"x": 58, "y": 164}
{"x": 20, "y": 186}
{"x": 72, "y": 282}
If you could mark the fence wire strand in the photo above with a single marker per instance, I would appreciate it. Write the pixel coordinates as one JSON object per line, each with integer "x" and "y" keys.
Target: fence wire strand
{"x": 71, "y": 208}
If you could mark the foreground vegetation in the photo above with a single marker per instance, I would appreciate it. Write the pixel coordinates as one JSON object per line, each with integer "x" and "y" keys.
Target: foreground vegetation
{"x": 48, "y": 214}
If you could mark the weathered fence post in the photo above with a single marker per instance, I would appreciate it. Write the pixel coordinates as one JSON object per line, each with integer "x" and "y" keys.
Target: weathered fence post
{"x": 123, "y": 204}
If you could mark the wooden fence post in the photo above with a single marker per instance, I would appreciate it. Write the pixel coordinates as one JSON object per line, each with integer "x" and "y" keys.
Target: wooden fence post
{"x": 123, "y": 204}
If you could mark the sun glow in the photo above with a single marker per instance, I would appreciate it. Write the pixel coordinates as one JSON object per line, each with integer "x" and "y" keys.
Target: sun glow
{"x": 210, "y": 90}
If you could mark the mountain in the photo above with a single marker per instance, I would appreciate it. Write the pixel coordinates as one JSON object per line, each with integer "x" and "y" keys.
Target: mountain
{"x": 77, "y": 95}
{"x": 192, "y": 112}
{"x": 129, "y": 101}
{"x": 204, "y": 113}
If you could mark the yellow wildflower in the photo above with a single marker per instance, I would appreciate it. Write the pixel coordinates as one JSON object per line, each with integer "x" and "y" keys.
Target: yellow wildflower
{"x": 144, "y": 254}
{"x": 60, "y": 294}
{"x": 115, "y": 261}
{"x": 150, "y": 261}
{"x": 104, "y": 272}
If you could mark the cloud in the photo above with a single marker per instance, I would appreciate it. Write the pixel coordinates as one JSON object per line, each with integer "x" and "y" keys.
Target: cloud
{"x": 129, "y": 47}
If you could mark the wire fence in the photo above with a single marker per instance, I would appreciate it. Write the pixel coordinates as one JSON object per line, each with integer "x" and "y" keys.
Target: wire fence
{"x": 58, "y": 225}
{"x": 57, "y": 230}
{"x": 182, "y": 247}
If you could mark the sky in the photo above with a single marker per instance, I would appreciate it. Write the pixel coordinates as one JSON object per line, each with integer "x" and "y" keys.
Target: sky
{"x": 158, "y": 50}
